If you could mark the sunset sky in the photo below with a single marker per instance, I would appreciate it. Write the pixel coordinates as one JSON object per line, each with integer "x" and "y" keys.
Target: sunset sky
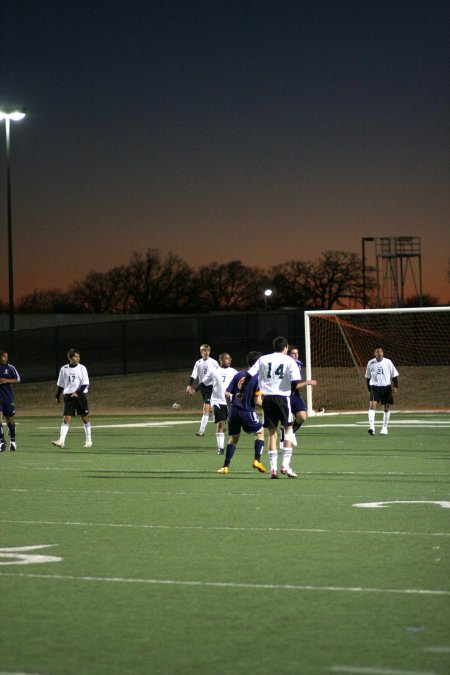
{"x": 258, "y": 130}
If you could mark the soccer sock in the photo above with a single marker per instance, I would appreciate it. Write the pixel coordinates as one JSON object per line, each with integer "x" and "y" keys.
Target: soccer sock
{"x": 12, "y": 430}
{"x": 386, "y": 417}
{"x": 220, "y": 437}
{"x": 64, "y": 431}
{"x": 273, "y": 457}
{"x": 259, "y": 447}
{"x": 287, "y": 454}
{"x": 296, "y": 426}
{"x": 2, "y": 437}
{"x": 229, "y": 454}
{"x": 87, "y": 430}
{"x": 204, "y": 422}
{"x": 371, "y": 418}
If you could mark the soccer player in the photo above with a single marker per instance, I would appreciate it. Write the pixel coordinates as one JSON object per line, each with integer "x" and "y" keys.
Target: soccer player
{"x": 242, "y": 416}
{"x": 73, "y": 383}
{"x": 219, "y": 379}
{"x": 298, "y": 406}
{"x": 278, "y": 376}
{"x": 199, "y": 372}
{"x": 382, "y": 380}
{"x": 8, "y": 377}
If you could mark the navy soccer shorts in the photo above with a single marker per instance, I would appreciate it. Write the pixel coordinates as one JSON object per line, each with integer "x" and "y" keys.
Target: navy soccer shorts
{"x": 243, "y": 420}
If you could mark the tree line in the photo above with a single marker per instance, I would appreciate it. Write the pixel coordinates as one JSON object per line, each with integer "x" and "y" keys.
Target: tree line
{"x": 151, "y": 283}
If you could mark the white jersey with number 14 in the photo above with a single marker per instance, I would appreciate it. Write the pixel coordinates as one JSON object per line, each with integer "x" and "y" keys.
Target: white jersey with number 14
{"x": 275, "y": 373}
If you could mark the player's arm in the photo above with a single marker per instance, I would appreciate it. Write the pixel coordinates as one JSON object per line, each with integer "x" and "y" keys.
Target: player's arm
{"x": 368, "y": 383}
{"x": 189, "y": 389}
{"x": 303, "y": 384}
{"x": 59, "y": 391}
{"x": 395, "y": 383}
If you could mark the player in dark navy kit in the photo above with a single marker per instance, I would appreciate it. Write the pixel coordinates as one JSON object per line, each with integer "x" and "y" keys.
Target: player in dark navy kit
{"x": 8, "y": 377}
{"x": 242, "y": 416}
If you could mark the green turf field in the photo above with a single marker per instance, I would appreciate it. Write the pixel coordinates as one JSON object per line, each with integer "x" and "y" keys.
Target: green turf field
{"x": 136, "y": 557}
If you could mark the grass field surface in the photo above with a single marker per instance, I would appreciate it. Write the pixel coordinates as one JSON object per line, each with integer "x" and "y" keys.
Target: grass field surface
{"x": 136, "y": 557}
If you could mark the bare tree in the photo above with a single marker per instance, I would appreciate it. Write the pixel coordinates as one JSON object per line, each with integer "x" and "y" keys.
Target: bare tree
{"x": 291, "y": 283}
{"x": 102, "y": 293}
{"x": 50, "y": 301}
{"x": 229, "y": 286}
{"x": 159, "y": 285}
{"x": 328, "y": 282}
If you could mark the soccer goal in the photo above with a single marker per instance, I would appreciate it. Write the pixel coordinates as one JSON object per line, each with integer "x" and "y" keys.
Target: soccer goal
{"x": 338, "y": 345}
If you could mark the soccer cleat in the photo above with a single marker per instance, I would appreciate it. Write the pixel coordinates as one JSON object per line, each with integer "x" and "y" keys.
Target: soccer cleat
{"x": 12, "y": 446}
{"x": 221, "y": 451}
{"x": 199, "y": 433}
{"x": 274, "y": 474}
{"x": 371, "y": 431}
{"x": 223, "y": 469}
{"x": 88, "y": 444}
{"x": 58, "y": 444}
{"x": 2, "y": 446}
{"x": 288, "y": 472}
{"x": 259, "y": 465}
{"x": 384, "y": 431}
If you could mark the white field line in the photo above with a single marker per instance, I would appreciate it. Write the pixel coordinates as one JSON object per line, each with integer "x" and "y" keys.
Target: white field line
{"x": 221, "y": 528}
{"x": 93, "y": 469}
{"x": 171, "y": 423}
{"x": 362, "y": 670}
{"x": 131, "y": 425}
{"x": 232, "y": 585}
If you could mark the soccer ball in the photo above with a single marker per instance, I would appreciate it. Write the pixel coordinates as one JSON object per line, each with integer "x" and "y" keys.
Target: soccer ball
{"x": 176, "y": 406}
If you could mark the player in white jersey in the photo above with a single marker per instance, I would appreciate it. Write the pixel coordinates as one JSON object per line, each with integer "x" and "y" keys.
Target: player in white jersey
{"x": 200, "y": 370}
{"x": 73, "y": 383}
{"x": 278, "y": 376}
{"x": 219, "y": 378}
{"x": 382, "y": 380}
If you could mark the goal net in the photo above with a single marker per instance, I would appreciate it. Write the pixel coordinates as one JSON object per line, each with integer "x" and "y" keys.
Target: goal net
{"x": 338, "y": 345}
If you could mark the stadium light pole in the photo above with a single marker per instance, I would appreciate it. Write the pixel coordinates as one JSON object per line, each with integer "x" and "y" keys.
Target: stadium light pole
{"x": 267, "y": 293}
{"x": 15, "y": 115}
{"x": 363, "y": 260}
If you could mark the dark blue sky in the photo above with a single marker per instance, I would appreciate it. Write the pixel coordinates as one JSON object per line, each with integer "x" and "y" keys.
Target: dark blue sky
{"x": 261, "y": 130}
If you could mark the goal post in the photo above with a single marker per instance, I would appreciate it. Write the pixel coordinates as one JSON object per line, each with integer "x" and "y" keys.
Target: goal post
{"x": 339, "y": 343}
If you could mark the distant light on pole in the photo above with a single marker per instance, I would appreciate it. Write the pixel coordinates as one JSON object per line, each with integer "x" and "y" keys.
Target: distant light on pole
{"x": 267, "y": 293}
{"x": 364, "y": 239}
{"x": 15, "y": 115}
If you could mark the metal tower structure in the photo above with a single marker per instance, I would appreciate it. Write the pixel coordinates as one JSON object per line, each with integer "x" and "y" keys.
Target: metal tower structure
{"x": 398, "y": 269}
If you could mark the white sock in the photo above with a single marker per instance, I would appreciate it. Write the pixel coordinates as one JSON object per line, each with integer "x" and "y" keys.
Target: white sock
{"x": 220, "y": 436}
{"x": 64, "y": 431}
{"x": 87, "y": 430}
{"x": 287, "y": 454}
{"x": 273, "y": 457}
{"x": 386, "y": 417}
{"x": 371, "y": 418}
{"x": 204, "y": 422}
